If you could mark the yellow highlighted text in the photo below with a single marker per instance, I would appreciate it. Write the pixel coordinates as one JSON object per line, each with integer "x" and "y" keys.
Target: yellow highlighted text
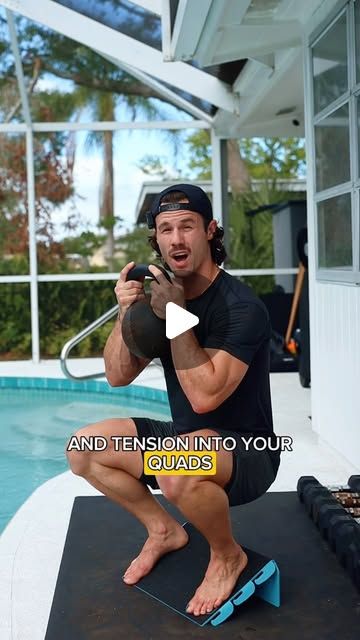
{"x": 179, "y": 463}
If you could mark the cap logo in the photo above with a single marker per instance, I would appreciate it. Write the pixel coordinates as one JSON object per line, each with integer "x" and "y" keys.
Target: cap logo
{"x": 174, "y": 206}
{"x": 197, "y": 202}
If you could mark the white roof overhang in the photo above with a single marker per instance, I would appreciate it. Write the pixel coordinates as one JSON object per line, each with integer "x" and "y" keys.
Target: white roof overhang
{"x": 270, "y": 35}
{"x": 264, "y": 37}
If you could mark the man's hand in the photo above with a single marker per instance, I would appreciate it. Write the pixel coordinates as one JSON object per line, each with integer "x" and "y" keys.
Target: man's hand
{"x": 128, "y": 292}
{"x": 163, "y": 291}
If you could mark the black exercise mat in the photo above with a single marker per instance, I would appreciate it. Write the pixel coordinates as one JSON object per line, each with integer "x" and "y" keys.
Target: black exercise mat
{"x": 174, "y": 579}
{"x": 91, "y": 602}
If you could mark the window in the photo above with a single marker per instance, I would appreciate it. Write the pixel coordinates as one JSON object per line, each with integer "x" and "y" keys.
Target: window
{"x": 334, "y": 224}
{"x": 332, "y": 149}
{"x": 335, "y": 67}
{"x": 330, "y": 67}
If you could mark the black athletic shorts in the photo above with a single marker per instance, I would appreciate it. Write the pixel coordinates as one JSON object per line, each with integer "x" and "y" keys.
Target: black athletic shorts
{"x": 253, "y": 471}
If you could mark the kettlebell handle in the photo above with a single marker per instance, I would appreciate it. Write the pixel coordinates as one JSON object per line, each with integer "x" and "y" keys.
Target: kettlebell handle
{"x": 141, "y": 270}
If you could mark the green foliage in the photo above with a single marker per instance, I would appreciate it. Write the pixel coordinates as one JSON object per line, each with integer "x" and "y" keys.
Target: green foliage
{"x": 135, "y": 246}
{"x": 268, "y": 160}
{"x": 85, "y": 244}
{"x": 109, "y": 222}
{"x": 154, "y": 166}
{"x": 65, "y": 308}
{"x": 15, "y": 334}
{"x": 274, "y": 157}
{"x": 251, "y": 238}
{"x": 16, "y": 266}
{"x": 251, "y": 244}
{"x": 200, "y": 154}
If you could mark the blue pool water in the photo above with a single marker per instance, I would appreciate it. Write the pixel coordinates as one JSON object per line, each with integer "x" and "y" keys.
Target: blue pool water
{"x": 37, "y": 417}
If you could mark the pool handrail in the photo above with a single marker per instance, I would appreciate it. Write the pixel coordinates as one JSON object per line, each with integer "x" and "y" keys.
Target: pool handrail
{"x": 70, "y": 344}
{"x": 83, "y": 334}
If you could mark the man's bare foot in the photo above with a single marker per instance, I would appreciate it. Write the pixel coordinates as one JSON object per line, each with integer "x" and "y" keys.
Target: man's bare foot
{"x": 219, "y": 581}
{"x": 155, "y": 546}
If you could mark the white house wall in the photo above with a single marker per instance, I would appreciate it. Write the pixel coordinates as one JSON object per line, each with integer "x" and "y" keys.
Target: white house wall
{"x": 335, "y": 366}
{"x": 334, "y": 332}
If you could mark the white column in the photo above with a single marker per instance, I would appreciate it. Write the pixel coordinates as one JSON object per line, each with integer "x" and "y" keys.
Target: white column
{"x": 35, "y": 341}
{"x": 220, "y": 184}
{"x": 216, "y": 176}
{"x": 35, "y": 335}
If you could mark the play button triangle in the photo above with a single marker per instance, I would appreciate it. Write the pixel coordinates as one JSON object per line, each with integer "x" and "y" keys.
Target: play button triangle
{"x": 178, "y": 320}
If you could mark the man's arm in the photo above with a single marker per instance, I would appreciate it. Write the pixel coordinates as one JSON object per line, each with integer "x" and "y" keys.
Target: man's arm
{"x": 207, "y": 376}
{"x": 121, "y": 366}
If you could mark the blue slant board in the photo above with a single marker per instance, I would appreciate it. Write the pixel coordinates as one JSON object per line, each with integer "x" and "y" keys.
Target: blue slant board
{"x": 175, "y": 578}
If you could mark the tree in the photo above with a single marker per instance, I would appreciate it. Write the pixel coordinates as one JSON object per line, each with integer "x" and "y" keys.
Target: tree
{"x": 265, "y": 158}
{"x": 274, "y": 158}
{"x": 153, "y": 165}
{"x": 53, "y": 187}
{"x": 103, "y": 108}
{"x": 249, "y": 161}
{"x": 200, "y": 162}
{"x": 135, "y": 246}
{"x": 84, "y": 245}
{"x": 99, "y": 86}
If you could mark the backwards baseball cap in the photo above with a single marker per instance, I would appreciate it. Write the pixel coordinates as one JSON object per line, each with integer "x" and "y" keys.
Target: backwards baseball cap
{"x": 198, "y": 202}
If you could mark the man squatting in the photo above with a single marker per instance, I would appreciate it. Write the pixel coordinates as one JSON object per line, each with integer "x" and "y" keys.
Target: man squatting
{"x": 217, "y": 377}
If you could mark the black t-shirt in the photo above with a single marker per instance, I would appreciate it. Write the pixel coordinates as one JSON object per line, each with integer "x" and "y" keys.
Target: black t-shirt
{"x": 233, "y": 319}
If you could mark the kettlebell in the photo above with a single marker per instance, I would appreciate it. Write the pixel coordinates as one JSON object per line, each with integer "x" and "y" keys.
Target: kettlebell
{"x": 144, "y": 333}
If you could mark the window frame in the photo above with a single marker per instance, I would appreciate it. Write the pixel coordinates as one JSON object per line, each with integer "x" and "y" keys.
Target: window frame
{"x": 350, "y": 97}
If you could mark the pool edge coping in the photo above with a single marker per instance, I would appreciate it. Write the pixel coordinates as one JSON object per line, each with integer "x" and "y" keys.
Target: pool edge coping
{"x": 59, "y": 384}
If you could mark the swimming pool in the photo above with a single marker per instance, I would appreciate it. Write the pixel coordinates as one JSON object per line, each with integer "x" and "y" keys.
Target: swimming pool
{"x": 37, "y": 417}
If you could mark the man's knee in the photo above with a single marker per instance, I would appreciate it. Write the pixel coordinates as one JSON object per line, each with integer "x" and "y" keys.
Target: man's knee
{"x": 176, "y": 487}
{"x": 79, "y": 460}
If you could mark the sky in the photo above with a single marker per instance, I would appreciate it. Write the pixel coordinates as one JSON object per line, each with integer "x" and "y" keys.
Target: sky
{"x": 129, "y": 149}
{"x": 130, "y": 146}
